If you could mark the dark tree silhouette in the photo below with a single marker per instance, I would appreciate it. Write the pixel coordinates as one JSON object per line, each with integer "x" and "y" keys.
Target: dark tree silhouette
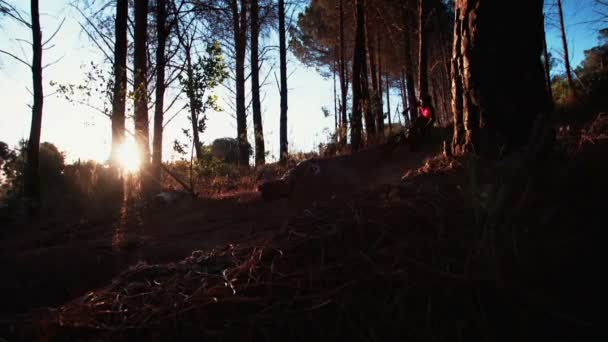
{"x": 119, "y": 92}
{"x": 140, "y": 85}
{"x": 343, "y": 78}
{"x": 283, "y": 71}
{"x": 358, "y": 78}
{"x": 260, "y": 151}
{"x": 239, "y": 26}
{"x": 32, "y": 167}
{"x": 162, "y": 33}
{"x": 408, "y": 68}
{"x": 562, "y": 28}
{"x": 547, "y": 63}
{"x": 491, "y": 118}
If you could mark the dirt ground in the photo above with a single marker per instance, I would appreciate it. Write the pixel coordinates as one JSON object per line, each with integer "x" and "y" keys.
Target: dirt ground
{"x": 406, "y": 244}
{"x": 51, "y": 262}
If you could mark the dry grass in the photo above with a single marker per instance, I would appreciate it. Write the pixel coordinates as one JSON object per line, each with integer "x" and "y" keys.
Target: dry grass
{"x": 423, "y": 260}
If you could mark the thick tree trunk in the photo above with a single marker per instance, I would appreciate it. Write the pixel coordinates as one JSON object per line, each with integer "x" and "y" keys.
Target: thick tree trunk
{"x": 547, "y": 64}
{"x": 32, "y": 167}
{"x": 493, "y": 118}
{"x": 343, "y": 79}
{"x": 140, "y": 61}
{"x": 239, "y": 22}
{"x": 408, "y": 68}
{"x": 359, "y": 78}
{"x": 565, "y": 45}
{"x": 283, "y": 71}
{"x": 119, "y": 92}
{"x": 260, "y": 150}
{"x": 445, "y": 74}
{"x": 159, "y": 105}
{"x": 423, "y": 84}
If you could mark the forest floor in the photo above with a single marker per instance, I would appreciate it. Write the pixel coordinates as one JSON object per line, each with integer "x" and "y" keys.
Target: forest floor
{"x": 460, "y": 249}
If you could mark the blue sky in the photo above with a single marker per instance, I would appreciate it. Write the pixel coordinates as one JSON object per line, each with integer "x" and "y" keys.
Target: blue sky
{"x": 82, "y": 133}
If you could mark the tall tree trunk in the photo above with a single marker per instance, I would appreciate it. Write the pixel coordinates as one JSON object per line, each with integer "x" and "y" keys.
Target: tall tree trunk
{"x": 388, "y": 104}
{"x": 565, "y": 45}
{"x": 140, "y": 61}
{"x": 486, "y": 118}
{"x": 119, "y": 92}
{"x": 239, "y": 22}
{"x": 159, "y": 105}
{"x": 368, "y": 110}
{"x": 343, "y": 78}
{"x": 547, "y": 63}
{"x": 260, "y": 150}
{"x": 374, "y": 93}
{"x": 445, "y": 73}
{"x": 359, "y": 74}
{"x": 32, "y": 167}
{"x": 335, "y": 66}
{"x": 423, "y": 84}
{"x": 283, "y": 67}
{"x": 380, "y": 92}
{"x": 408, "y": 68}
{"x": 196, "y": 140}
{"x": 404, "y": 99}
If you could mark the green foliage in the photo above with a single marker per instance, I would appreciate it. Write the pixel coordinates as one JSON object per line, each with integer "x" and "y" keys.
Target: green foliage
{"x": 210, "y": 166}
{"x": 52, "y": 164}
{"x": 98, "y": 85}
{"x": 314, "y": 37}
{"x": 592, "y": 81}
{"x": 207, "y": 73}
{"x": 209, "y": 174}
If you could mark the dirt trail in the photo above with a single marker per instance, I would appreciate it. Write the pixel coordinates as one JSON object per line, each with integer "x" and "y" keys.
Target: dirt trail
{"x": 64, "y": 262}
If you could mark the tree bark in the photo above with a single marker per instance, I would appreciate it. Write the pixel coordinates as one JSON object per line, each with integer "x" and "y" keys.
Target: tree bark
{"x": 565, "y": 46}
{"x": 119, "y": 92}
{"x": 140, "y": 61}
{"x": 423, "y": 84}
{"x": 159, "y": 105}
{"x": 493, "y": 118}
{"x": 374, "y": 93}
{"x": 239, "y": 22}
{"x": 335, "y": 66}
{"x": 343, "y": 78}
{"x": 283, "y": 71}
{"x": 408, "y": 68}
{"x": 196, "y": 140}
{"x": 380, "y": 91}
{"x": 32, "y": 167}
{"x": 547, "y": 64}
{"x": 359, "y": 76}
{"x": 404, "y": 99}
{"x": 260, "y": 150}
{"x": 388, "y": 104}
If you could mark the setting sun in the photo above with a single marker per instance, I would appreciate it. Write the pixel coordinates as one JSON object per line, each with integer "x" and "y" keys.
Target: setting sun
{"x": 128, "y": 157}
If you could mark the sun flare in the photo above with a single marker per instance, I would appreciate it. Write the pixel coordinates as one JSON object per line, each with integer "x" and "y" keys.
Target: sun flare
{"x": 129, "y": 157}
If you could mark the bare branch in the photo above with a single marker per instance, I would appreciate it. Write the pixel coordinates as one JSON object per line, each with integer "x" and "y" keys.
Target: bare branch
{"x": 12, "y": 12}
{"x": 16, "y": 58}
{"x": 53, "y": 63}
{"x": 106, "y": 55}
{"x": 54, "y": 33}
